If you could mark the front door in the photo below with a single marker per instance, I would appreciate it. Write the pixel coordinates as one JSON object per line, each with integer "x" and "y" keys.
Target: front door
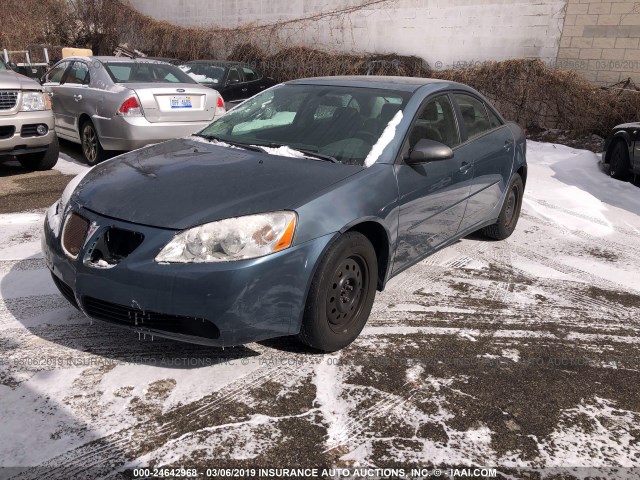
{"x": 432, "y": 196}
{"x": 235, "y": 89}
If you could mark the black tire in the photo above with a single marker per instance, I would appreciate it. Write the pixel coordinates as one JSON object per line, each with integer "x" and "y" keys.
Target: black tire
{"x": 91, "y": 147}
{"x": 341, "y": 294}
{"x": 41, "y": 160}
{"x": 619, "y": 161}
{"x": 510, "y": 212}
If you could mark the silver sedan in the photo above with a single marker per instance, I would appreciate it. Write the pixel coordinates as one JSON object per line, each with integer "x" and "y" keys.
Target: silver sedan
{"x": 119, "y": 103}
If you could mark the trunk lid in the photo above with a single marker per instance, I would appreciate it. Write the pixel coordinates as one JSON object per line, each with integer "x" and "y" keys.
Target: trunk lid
{"x": 176, "y": 102}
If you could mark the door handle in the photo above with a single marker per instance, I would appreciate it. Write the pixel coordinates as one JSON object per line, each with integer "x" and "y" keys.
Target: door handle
{"x": 507, "y": 146}
{"x": 465, "y": 167}
{"x": 77, "y": 98}
{"x": 244, "y": 89}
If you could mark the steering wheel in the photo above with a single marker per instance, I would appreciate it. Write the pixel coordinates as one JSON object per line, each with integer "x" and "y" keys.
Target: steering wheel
{"x": 366, "y": 136}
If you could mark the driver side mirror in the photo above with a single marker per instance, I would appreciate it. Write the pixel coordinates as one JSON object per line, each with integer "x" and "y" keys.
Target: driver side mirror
{"x": 13, "y": 66}
{"x": 428, "y": 151}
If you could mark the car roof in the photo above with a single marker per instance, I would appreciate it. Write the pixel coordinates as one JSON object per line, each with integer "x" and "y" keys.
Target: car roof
{"x": 215, "y": 62}
{"x": 112, "y": 59}
{"x": 405, "y": 84}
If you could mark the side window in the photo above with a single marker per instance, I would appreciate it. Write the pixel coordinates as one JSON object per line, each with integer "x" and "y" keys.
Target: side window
{"x": 78, "y": 74}
{"x": 234, "y": 75}
{"x": 436, "y": 121}
{"x": 56, "y": 73}
{"x": 474, "y": 114}
{"x": 493, "y": 118}
{"x": 250, "y": 74}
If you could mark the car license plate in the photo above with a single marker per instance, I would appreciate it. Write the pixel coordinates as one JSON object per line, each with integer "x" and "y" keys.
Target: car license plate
{"x": 181, "y": 102}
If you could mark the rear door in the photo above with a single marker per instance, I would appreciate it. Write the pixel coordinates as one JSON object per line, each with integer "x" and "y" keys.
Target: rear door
{"x": 490, "y": 144}
{"x": 74, "y": 96}
{"x": 253, "y": 79}
{"x": 432, "y": 196}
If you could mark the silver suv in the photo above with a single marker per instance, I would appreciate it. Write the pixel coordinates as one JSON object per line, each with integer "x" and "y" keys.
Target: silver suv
{"x": 26, "y": 122}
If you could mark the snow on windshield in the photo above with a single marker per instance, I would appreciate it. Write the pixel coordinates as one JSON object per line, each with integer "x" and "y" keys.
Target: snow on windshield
{"x": 384, "y": 140}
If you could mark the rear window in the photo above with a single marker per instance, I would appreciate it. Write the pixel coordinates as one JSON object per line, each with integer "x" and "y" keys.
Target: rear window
{"x": 134, "y": 72}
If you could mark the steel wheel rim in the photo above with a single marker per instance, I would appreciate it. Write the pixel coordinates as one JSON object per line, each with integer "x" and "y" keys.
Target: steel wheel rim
{"x": 90, "y": 144}
{"x": 346, "y": 293}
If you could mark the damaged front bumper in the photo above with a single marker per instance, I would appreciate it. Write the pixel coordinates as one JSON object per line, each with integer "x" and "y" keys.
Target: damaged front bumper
{"x": 223, "y": 303}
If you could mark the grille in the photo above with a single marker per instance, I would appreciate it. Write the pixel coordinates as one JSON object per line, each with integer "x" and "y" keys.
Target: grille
{"x": 8, "y": 99}
{"x": 29, "y": 130}
{"x": 74, "y": 234}
{"x": 7, "y": 132}
{"x": 65, "y": 290}
{"x": 123, "y": 315}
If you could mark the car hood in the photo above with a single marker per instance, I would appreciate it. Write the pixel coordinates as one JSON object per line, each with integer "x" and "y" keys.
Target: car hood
{"x": 183, "y": 183}
{"x": 11, "y": 80}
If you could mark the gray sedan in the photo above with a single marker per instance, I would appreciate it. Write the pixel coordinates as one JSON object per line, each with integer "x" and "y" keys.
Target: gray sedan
{"x": 119, "y": 103}
{"x": 301, "y": 202}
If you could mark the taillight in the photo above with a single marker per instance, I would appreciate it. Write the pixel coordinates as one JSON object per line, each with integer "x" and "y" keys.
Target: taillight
{"x": 220, "y": 109}
{"x": 130, "y": 108}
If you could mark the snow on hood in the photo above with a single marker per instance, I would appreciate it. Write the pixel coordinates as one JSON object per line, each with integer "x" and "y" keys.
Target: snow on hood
{"x": 384, "y": 140}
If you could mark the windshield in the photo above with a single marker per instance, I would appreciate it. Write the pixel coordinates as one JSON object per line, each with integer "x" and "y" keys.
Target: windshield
{"x": 146, "y": 72}
{"x": 341, "y": 123}
{"x": 204, "y": 72}
{"x": 3, "y": 66}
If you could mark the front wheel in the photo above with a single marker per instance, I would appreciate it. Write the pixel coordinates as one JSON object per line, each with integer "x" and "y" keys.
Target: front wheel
{"x": 91, "y": 148}
{"x": 341, "y": 294}
{"x": 510, "y": 212}
{"x": 42, "y": 160}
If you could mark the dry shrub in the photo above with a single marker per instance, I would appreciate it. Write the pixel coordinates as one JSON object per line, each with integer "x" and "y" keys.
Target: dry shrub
{"x": 299, "y": 62}
{"x": 524, "y": 90}
{"x": 535, "y": 95}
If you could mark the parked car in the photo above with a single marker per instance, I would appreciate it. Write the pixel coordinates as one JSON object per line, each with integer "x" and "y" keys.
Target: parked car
{"x": 285, "y": 215}
{"x": 26, "y": 122}
{"x": 120, "y": 103}
{"x": 620, "y": 151}
{"x": 234, "y": 80}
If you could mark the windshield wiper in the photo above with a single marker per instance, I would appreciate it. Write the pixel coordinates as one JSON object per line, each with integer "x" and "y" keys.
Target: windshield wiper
{"x": 308, "y": 153}
{"x": 246, "y": 146}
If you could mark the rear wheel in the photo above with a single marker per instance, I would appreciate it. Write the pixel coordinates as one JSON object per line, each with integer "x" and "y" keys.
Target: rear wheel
{"x": 510, "y": 212}
{"x": 91, "y": 148}
{"x": 619, "y": 161}
{"x": 41, "y": 160}
{"x": 341, "y": 294}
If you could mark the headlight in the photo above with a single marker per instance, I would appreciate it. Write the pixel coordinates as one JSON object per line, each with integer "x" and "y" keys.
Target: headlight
{"x": 232, "y": 239}
{"x": 33, "y": 101}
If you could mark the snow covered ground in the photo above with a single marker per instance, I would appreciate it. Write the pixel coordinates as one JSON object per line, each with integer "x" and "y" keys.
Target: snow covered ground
{"x": 522, "y": 354}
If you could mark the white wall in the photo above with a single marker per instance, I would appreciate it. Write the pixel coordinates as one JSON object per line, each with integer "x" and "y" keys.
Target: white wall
{"x": 444, "y": 31}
